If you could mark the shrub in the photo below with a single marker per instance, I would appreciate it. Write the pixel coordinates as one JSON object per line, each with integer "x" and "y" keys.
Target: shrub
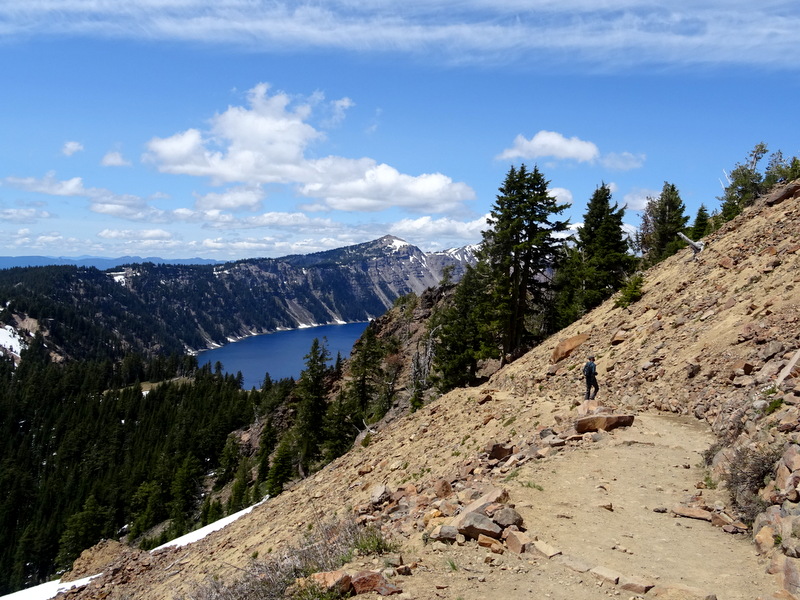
{"x": 630, "y": 292}
{"x": 749, "y": 471}
{"x": 326, "y": 548}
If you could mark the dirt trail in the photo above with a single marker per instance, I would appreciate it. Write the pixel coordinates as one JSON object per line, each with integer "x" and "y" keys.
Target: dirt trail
{"x": 562, "y": 499}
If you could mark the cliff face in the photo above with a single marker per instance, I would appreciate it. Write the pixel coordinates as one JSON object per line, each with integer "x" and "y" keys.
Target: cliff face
{"x": 703, "y": 366}
{"x": 171, "y": 308}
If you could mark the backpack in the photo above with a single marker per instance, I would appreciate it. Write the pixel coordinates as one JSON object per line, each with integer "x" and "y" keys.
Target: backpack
{"x": 589, "y": 370}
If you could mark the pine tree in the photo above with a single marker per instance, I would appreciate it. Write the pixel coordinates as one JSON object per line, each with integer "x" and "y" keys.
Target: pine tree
{"x": 662, "y": 219}
{"x": 312, "y": 406}
{"x": 604, "y": 248}
{"x": 84, "y": 529}
{"x": 281, "y": 469}
{"x": 702, "y": 224}
{"x": 519, "y": 248}
{"x": 365, "y": 372}
{"x": 462, "y": 330}
{"x": 745, "y": 184}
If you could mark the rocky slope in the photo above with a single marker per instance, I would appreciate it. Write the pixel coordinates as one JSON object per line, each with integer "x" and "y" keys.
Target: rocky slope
{"x": 614, "y": 496}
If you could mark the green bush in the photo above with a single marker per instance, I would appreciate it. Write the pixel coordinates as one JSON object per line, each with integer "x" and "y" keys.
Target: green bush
{"x": 631, "y": 292}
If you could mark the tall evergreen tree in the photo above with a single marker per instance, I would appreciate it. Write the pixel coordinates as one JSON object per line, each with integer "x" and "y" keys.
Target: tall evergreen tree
{"x": 462, "y": 330}
{"x": 701, "y": 225}
{"x": 745, "y": 184}
{"x": 519, "y": 248}
{"x": 604, "y": 247}
{"x": 311, "y": 409}
{"x": 662, "y": 219}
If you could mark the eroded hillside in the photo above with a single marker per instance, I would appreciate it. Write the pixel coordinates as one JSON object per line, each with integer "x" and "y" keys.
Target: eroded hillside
{"x": 631, "y": 511}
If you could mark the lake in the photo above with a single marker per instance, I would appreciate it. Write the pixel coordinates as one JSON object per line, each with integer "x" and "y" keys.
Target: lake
{"x": 281, "y": 354}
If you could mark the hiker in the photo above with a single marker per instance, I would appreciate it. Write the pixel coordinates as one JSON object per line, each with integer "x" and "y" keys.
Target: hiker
{"x": 590, "y": 372}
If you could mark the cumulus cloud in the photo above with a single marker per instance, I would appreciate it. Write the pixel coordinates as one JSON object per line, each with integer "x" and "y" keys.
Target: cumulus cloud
{"x": 267, "y": 143}
{"x": 237, "y": 198}
{"x": 551, "y": 144}
{"x": 424, "y": 229}
{"x": 637, "y": 198}
{"x": 70, "y": 148}
{"x": 114, "y": 159}
{"x": 554, "y": 145}
{"x": 563, "y": 195}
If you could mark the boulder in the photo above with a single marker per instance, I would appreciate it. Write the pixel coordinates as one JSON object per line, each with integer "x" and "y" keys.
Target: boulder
{"x": 338, "y": 582}
{"x": 602, "y": 422}
{"x": 371, "y": 581}
{"x": 692, "y": 512}
{"x": 380, "y": 494}
{"x": 444, "y": 533}
{"x": 506, "y": 517}
{"x": 474, "y": 524}
{"x": 566, "y": 347}
{"x": 518, "y": 541}
{"x": 442, "y": 488}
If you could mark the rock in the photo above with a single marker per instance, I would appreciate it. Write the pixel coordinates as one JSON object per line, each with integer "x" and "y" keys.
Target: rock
{"x": 499, "y": 451}
{"x": 444, "y": 533}
{"x": 338, "y": 582}
{"x": 475, "y": 524}
{"x": 442, "y": 488}
{"x": 566, "y": 347}
{"x": 764, "y": 539}
{"x": 782, "y": 193}
{"x": 602, "y": 422}
{"x": 380, "y": 494}
{"x": 506, "y": 517}
{"x": 634, "y": 584}
{"x": 518, "y": 542}
{"x": 605, "y": 574}
{"x": 370, "y": 581}
{"x": 619, "y": 336}
{"x": 770, "y": 349}
{"x": 692, "y": 512}
{"x": 492, "y": 544}
{"x": 544, "y": 549}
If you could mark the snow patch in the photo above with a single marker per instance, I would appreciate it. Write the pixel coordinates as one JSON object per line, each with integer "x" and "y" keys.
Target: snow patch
{"x": 397, "y": 244}
{"x": 10, "y": 339}
{"x": 199, "y": 534}
{"x": 119, "y": 277}
{"x": 50, "y": 589}
{"x": 47, "y": 590}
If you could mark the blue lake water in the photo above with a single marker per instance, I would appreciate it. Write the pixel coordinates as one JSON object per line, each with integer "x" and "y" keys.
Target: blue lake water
{"x": 281, "y": 354}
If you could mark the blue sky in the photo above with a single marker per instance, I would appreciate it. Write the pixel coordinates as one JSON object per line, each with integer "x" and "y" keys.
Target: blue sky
{"x": 242, "y": 128}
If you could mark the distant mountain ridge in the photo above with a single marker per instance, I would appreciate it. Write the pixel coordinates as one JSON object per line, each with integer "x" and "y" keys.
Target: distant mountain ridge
{"x": 98, "y": 262}
{"x": 171, "y": 308}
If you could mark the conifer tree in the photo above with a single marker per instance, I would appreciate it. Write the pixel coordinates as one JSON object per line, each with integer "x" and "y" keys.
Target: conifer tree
{"x": 744, "y": 184}
{"x": 604, "y": 248}
{"x": 312, "y": 406}
{"x": 462, "y": 330}
{"x": 701, "y": 225}
{"x": 520, "y": 247}
{"x": 662, "y": 219}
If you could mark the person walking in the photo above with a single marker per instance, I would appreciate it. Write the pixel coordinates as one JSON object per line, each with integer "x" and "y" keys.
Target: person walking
{"x": 590, "y": 372}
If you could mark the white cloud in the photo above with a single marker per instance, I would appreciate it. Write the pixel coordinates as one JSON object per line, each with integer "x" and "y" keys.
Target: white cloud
{"x": 551, "y": 144}
{"x": 103, "y": 201}
{"x": 623, "y": 161}
{"x": 70, "y": 148}
{"x": 232, "y": 199}
{"x": 114, "y": 159}
{"x": 424, "y": 229}
{"x": 23, "y": 215}
{"x": 380, "y": 187}
{"x": 637, "y": 198}
{"x": 563, "y": 195}
{"x": 128, "y": 234}
{"x": 611, "y": 35}
{"x": 267, "y": 142}
{"x": 49, "y": 185}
